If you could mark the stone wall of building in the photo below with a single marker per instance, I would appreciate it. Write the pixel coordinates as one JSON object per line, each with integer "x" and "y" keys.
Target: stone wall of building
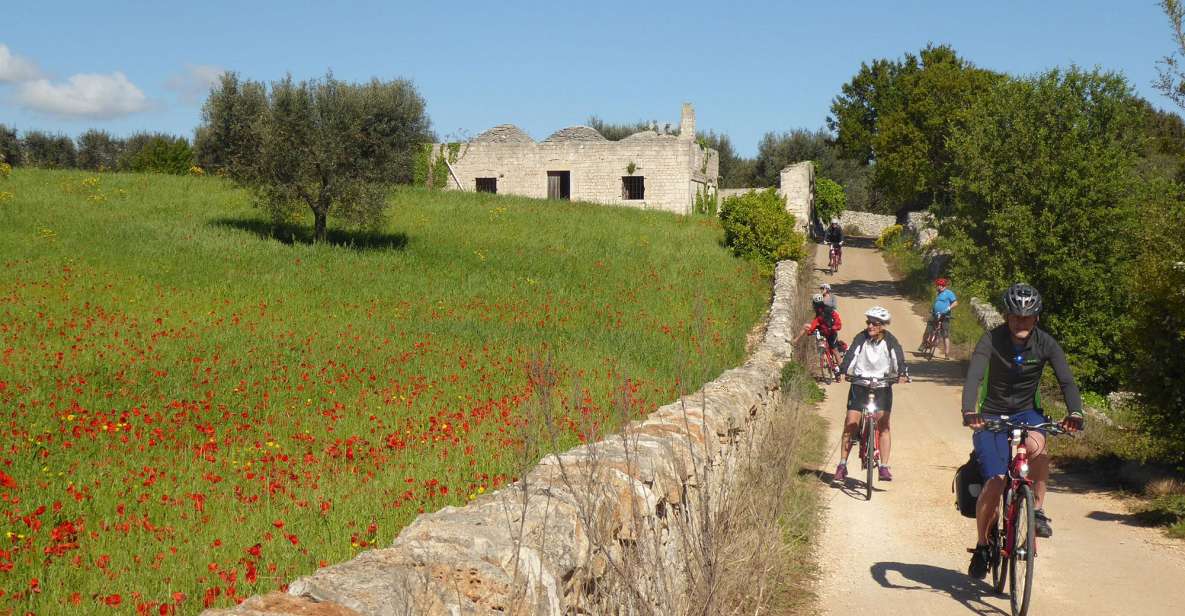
{"x": 798, "y": 189}
{"x": 547, "y": 544}
{"x": 673, "y": 168}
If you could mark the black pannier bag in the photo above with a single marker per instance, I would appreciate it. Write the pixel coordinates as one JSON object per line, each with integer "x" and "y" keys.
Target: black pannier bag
{"x": 967, "y": 485}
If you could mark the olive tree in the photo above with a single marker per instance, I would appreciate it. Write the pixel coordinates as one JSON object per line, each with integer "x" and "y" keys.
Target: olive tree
{"x": 227, "y": 140}
{"x": 326, "y": 145}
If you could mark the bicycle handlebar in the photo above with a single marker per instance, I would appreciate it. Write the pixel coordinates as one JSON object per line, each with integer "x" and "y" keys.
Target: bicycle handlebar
{"x": 1001, "y": 425}
{"x": 872, "y": 382}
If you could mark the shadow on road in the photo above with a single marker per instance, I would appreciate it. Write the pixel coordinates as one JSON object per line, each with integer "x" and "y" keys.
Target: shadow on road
{"x": 852, "y": 487}
{"x": 941, "y": 371}
{"x": 863, "y": 289}
{"x": 958, "y": 585}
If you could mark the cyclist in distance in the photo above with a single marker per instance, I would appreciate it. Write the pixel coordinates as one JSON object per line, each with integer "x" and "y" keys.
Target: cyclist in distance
{"x": 834, "y": 236}
{"x": 826, "y": 321}
{"x": 874, "y": 353}
{"x": 828, "y": 296}
{"x": 1002, "y": 379}
{"x": 944, "y": 302}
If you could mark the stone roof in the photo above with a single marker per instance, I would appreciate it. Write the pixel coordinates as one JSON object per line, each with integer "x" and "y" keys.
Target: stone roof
{"x": 504, "y": 133}
{"x": 575, "y": 133}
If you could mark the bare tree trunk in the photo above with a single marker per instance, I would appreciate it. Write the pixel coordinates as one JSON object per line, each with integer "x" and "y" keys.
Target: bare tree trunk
{"x": 319, "y": 218}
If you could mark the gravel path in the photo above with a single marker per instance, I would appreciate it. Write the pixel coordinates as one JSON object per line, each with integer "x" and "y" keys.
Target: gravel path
{"x": 905, "y": 551}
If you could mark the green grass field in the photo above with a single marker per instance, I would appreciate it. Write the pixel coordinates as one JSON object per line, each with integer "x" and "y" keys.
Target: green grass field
{"x": 194, "y": 411}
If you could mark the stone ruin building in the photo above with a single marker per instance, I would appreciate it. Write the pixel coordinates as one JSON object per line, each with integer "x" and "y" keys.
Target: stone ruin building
{"x": 645, "y": 170}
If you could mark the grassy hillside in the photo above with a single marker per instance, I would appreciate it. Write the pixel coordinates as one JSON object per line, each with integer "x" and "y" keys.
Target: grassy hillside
{"x": 193, "y": 412}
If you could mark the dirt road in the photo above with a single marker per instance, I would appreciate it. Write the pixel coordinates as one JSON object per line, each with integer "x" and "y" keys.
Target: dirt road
{"x": 905, "y": 551}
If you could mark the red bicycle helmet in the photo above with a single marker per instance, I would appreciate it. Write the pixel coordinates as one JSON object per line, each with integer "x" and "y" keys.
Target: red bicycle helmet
{"x": 942, "y": 282}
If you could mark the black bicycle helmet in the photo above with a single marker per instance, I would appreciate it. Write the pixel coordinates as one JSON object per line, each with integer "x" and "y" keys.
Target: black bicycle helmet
{"x": 1022, "y": 300}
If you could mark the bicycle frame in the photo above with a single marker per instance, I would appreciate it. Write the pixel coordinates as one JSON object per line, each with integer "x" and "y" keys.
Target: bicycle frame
{"x": 827, "y": 360}
{"x": 867, "y": 433}
{"x": 1018, "y": 475}
{"x": 1018, "y": 494}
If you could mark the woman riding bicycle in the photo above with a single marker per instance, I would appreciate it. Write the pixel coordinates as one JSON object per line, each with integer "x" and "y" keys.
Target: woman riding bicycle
{"x": 1009, "y": 360}
{"x": 944, "y": 302}
{"x": 876, "y": 354}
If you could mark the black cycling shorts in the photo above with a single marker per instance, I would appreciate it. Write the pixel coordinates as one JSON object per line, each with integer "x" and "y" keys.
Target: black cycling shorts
{"x": 858, "y": 397}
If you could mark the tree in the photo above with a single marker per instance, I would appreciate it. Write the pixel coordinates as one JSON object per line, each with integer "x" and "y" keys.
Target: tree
{"x": 899, "y": 115}
{"x": 10, "y": 146}
{"x": 334, "y": 147}
{"x": 776, "y": 151}
{"x": 856, "y": 110}
{"x": 1046, "y": 190}
{"x": 98, "y": 151}
{"x": 732, "y": 171}
{"x": 1171, "y": 81}
{"x": 49, "y": 151}
{"x": 227, "y": 140}
{"x": 829, "y": 199}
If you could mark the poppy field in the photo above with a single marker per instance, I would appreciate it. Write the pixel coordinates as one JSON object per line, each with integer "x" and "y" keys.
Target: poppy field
{"x": 193, "y": 411}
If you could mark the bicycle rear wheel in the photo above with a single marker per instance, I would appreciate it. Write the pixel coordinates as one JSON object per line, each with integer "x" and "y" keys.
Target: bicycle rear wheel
{"x": 1024, "y": 553}
{"x": 869, "y": 456}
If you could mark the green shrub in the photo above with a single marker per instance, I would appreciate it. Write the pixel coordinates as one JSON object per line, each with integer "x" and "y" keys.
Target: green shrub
{"x": 830, "y": 200}
{"x": 1157, "y": 333}
{"x": 162, "y": 154}
{"x": 758, "y": 227}
{"x": 797, "y": 380}
{"x": 10, "y": 146}
{"x": 49, "y": 151}
{"x": 889, "y": 237}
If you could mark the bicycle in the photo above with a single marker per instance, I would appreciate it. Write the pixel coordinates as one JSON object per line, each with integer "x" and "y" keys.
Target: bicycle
{"x": 935, "y": 333}
{"x": 834, "y": 258}
{"x": 1016, "y": 547}
{"x": 828, "y": 364}
{"x": 866, "y": 435}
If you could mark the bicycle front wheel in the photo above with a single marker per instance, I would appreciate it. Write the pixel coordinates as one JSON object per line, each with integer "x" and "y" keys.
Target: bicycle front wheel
{"x": 1024, "y": 552}
{"x": 869, "y": 456}
{"x": 999, "y": 573}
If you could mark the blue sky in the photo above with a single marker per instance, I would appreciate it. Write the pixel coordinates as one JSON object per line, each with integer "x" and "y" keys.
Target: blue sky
{"x": 749, "y": 69}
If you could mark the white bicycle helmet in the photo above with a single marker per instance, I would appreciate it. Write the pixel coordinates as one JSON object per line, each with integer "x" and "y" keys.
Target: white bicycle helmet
{"x": 817, "y": 299}
{"x": 880, "y": 314}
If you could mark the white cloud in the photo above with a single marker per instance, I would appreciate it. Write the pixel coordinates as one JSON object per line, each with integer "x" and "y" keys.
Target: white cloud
{"x": 14, "y": 68}
{"x": 85, "y": 95}
{"x": 194, "y": 83}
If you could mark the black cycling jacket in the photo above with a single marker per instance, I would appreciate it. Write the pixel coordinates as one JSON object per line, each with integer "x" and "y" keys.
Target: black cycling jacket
{"x": 834, "y": 235}
{"x": 997, "y": 385}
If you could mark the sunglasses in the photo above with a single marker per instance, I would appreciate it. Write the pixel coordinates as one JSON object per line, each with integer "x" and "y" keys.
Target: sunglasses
{"x": 873, "y": 322}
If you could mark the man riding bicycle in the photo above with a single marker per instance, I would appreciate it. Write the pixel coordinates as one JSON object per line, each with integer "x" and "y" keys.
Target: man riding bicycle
{"x": 826, "y": 321}
{"x": 944, "y": 302}
{"x": 874, "y": 353}
{"x": 834, "y": 237}
{"x": 1003, "y": 379}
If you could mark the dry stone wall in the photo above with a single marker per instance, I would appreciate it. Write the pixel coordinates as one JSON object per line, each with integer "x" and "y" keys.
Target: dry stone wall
{"x": 867, "y": 223}
{"x": 556, "y": 540}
